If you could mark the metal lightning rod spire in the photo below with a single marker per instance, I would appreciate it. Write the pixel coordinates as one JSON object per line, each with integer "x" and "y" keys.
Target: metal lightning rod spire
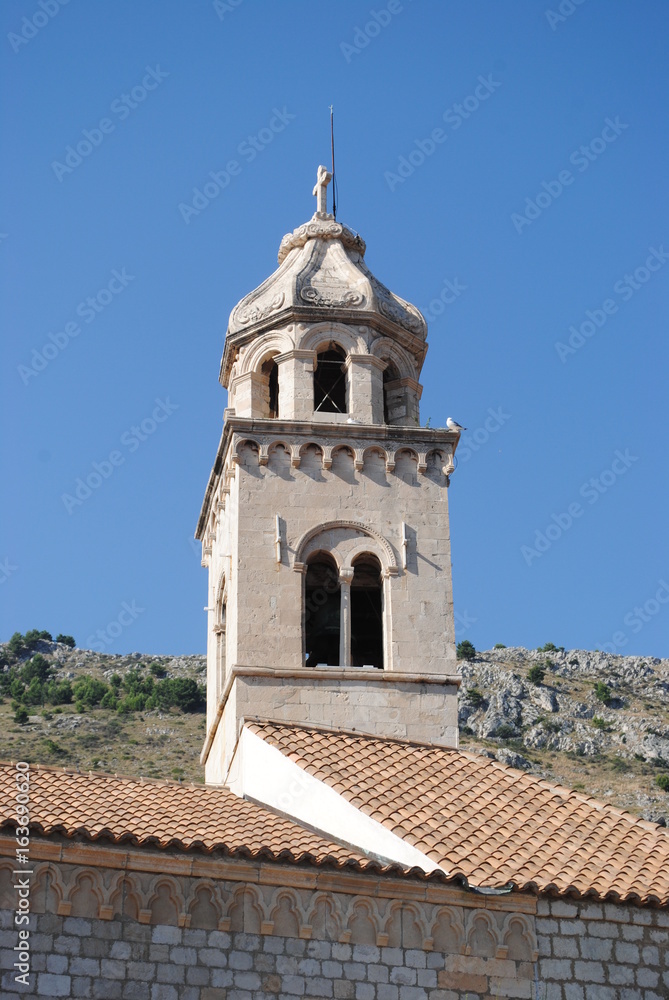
{"x": 334, "y": 182}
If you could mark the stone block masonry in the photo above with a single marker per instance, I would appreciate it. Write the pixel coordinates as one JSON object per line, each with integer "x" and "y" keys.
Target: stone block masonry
{"x": 142, "y": 927}
{"x": 602, "y": 951}
{"x": 194, "y": 964}
{"x": 137, "y": 924}
{"x": 126, "y": 960}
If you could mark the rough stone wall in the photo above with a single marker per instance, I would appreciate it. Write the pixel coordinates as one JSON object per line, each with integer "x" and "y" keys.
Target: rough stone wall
{"x": 242, "y": 931}
{"x": 74, "y": 957}
{"x": 136, "y": 935}
{"x": 602, "y": 951}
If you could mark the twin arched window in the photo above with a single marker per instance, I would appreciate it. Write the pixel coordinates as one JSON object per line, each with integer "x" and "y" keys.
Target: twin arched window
{"x": 343, "y": 616}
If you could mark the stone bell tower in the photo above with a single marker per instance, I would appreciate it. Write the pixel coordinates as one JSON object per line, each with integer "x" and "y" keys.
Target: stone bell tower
{"x": 325, "y": 521}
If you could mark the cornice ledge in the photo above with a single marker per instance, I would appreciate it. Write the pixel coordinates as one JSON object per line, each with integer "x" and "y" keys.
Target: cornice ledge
{"x": 362, "y": 674}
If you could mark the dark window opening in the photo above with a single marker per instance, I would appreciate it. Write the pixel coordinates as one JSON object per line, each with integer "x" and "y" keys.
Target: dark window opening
{"x": 322, "y": 612}
{"x": 220, "y": 641}
{"x": 390, "y": 374}
{"x": 366, "y": 613}
{"x": 330, "y": 381}
{"x": 270, "y": 371}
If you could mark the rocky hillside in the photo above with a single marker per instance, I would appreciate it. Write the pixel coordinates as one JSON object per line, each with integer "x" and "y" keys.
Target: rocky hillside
{"x": 158, "y": 743}
{"x": 591, "y": 721}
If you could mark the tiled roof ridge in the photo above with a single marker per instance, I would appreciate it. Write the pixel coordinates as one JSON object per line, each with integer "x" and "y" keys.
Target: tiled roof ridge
{"x": 263, "y": 853}
{"x": 552, "y": 786}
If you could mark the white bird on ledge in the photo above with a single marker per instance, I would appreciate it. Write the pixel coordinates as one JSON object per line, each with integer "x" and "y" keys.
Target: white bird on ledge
{"x": 453, "y": 425}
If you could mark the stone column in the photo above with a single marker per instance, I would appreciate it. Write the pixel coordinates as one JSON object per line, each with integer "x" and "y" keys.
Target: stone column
{"x": 365, "y": 381}
{"x": 248, "y": 393}
{"x": 345, "y": 578}
{"x": 403, "y": 401}
{"x": 296, "y": 384}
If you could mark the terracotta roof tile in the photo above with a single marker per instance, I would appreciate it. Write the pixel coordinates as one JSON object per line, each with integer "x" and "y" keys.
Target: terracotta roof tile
{"x": 165, "y": 814}
{"x": 485, "y": 821}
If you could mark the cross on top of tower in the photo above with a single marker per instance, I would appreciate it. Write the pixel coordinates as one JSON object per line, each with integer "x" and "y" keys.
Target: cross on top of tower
{"x": 320, "y": 190}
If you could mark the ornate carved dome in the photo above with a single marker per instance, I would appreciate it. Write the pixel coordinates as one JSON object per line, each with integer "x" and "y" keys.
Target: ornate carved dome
{"x": 322, "y": 276}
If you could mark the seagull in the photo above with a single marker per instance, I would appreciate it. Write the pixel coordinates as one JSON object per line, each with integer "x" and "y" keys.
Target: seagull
{"x": 352, "y": 420}
{"x": 453, "y": 425}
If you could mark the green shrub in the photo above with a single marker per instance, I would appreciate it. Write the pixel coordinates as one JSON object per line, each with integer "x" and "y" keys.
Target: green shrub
{"x": 135, "y": 702}
{"x": 34, "y": 693}
{"x": 465, "y": 650}
{"x": 17, "y": 646}
{"x": 66, "y": 640}
{"x": 115, "y": 681}
{"x": 505, "y": 731}
{"x": 16, "y": 689}
{"x": 110, "y": 701}
{"x": 157, "y": 669}
{"x": 602, "y": 692}
{"x": 536, "y": 674}
{"x": 475, "y": 698}
{"x": 89, "y": 691}
{"x": 179, "y": 692}
{"x": 34, "y": 636}
{"x": 499, "y": 645}
{"x": 20, "y": 715}
{"x": 38, "y": 667}
{"x": 662, "y": 781}
{"x": 602, "y": 724}
{"x": 59, "y": 692}
{"x": 134, "y": 684}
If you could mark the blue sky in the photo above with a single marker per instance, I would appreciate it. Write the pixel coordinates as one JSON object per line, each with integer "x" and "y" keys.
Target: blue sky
{"x": 537, "y": 206}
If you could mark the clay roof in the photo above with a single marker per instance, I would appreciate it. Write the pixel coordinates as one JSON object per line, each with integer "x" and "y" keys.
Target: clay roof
{"x": 165, "y": 815}
{"x": 482, "y": 820}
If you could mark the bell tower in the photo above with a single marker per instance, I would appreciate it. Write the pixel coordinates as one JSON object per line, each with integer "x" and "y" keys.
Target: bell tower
{"x": 324, "y": 526}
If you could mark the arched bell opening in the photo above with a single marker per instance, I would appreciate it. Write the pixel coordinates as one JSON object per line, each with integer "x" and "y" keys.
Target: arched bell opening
{"x": 390, "y": 396}
{"x": 330, "y": 395}
{"x": 270, "y": 373}
{"x": 367, "y": 612}
{"x": 322, "y": 611}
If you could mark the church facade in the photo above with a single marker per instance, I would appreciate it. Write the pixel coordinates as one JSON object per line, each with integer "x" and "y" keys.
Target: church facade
{"x": 343, "y": 846}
